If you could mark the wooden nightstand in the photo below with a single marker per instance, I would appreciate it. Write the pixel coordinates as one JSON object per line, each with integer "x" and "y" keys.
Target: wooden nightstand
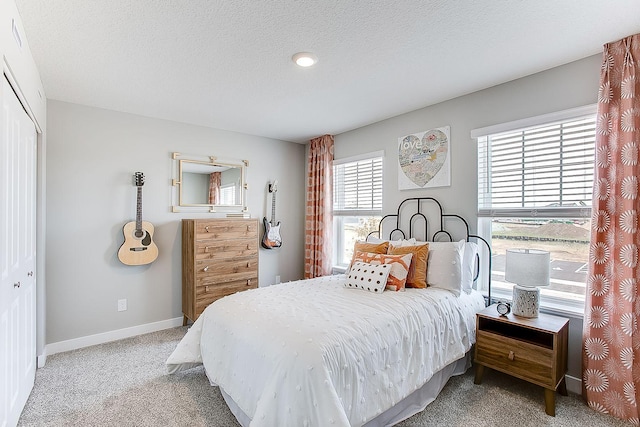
{"x": 534, "y": 350}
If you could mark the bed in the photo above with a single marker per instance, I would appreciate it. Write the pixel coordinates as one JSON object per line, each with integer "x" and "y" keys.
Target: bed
{"x": 317, "y": 353}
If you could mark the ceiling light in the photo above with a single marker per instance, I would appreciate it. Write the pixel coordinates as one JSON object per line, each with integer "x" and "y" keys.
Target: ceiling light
{"x": 304, "y": 59}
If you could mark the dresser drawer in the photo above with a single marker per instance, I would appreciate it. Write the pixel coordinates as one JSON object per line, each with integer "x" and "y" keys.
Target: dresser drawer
{"x": 524, "y": 360}
{"x": 210, "y": 271}
{"x": 206, "y": 294}
{"x": 206, "y": 231}
{"x": 226, "y": 249}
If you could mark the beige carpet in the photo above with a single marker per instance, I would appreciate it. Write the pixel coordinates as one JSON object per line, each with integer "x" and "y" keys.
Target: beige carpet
{"x": 123, "y": 383}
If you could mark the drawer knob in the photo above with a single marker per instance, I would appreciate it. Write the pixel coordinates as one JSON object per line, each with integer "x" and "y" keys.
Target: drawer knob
{"x": 248, "y": 282}
{"x": 206, "y": 268}
{"x": 206, "y": 248}
{"x": 206, "y": 289}
{"x": 248, "y": 264}
{"x": 206, "y": 228}
{"x": 512, "y": 355}
{"x": 248, "y": 247}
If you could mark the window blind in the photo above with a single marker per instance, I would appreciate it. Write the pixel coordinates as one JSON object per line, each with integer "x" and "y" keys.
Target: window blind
{"x": 357, "y": 187}
{"x": 544, "y": 171}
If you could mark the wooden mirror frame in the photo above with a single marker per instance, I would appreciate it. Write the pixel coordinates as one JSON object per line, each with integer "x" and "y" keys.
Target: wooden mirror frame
{"x": 181, "y": 163}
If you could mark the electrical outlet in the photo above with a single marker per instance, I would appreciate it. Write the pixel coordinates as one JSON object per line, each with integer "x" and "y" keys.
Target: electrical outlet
{"x": 122, "y": 305}
{"x": 277, "y": 279}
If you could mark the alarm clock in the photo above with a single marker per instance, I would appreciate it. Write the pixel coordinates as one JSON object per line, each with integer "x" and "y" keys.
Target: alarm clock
{"x": 503, "y": 308}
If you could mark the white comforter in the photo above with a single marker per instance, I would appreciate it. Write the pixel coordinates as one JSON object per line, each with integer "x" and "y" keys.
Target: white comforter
{"x": 313, "y": 353}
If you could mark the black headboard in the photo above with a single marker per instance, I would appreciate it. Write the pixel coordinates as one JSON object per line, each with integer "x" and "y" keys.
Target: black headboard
{"x": 424, "y": 220}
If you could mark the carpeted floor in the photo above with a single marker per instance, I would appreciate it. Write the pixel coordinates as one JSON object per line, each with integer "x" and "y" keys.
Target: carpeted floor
{"x": 124, "y": 383}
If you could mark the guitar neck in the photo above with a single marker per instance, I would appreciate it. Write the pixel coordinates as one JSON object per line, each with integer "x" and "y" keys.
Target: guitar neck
{"x": 139, "y": 210}
{"x": 273, "y": 208}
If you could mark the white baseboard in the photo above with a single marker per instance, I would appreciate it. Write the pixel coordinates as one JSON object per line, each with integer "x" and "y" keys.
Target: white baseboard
{"x": 574, "y": 385}
{"x": 76, "y": 343}
{"x": 42, "y": 359}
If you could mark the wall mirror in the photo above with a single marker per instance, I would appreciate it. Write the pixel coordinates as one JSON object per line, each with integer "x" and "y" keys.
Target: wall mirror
{"x": 208, "y": 183}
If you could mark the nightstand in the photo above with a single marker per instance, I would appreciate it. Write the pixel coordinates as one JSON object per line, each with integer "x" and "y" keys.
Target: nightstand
{"x": 534, "y": 350}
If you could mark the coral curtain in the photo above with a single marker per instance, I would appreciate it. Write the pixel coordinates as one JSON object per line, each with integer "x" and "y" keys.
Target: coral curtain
{"x": 319, "y": 218}
{"x": 215, "y": 181}
{"x": 611, "y": 346}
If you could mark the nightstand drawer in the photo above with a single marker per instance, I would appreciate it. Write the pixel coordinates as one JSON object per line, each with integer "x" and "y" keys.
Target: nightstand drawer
{"x": 521, "y": 359}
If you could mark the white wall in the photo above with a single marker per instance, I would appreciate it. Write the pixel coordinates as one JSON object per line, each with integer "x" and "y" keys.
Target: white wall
{"x": 572, "y": 85}
{"x": 91, "y": 156}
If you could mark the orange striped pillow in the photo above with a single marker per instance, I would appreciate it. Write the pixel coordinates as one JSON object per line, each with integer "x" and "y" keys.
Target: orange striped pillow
{"x": 417, "y": 277}
{"x": 399, "y": 267}
{"x": 378, "y": 248}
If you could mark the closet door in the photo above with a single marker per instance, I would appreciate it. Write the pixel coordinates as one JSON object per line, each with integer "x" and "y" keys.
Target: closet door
{"x": 17, "y": 256}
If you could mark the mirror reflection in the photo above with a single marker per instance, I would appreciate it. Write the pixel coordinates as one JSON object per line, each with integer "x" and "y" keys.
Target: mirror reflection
{"x": 209, "y": 184}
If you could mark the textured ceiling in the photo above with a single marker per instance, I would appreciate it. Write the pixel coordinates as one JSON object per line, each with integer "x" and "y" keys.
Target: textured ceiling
{"x": 227, "y": 64}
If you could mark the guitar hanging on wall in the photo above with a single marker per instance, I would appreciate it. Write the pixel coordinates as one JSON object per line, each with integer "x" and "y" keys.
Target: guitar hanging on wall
{"x": 138, "y": 247}
{"x": 271, "y": 237}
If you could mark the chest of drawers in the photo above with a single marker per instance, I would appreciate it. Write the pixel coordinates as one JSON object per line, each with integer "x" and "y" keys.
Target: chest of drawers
{"x": 219, "y": 257}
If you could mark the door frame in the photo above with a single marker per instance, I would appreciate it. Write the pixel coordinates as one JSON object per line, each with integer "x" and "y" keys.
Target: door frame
{"x": 41, "y": 353}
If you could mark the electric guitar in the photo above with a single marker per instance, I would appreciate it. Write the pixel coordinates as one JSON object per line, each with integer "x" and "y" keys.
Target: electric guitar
{"x": 138, "y": 247}
{"x": 271, "y": 238}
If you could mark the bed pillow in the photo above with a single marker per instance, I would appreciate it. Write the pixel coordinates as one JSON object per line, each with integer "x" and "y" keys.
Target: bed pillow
{"x": 378, "y": 248}
{"x": 404, "y": 242}
{"x": 444, "y": 265}
{"x": 399, "y": 267}
{"x": 370, "y": 277}
{"x": 469, "y": 266}
{"x": 417, "y": 277}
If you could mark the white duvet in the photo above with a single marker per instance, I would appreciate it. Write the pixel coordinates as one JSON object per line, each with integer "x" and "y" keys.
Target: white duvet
{"x": 313, "y": 353}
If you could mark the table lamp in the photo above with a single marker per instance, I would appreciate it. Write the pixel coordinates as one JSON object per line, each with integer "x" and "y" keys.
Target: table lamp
{"x": 528, "y": 269}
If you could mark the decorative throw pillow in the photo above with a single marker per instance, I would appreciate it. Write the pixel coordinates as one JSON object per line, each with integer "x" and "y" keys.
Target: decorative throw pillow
{"x": 444, "y": 266}
{"x": 370, "y": 277}
{"x": 399, "y": 267}
{"x": 469, "y": 265}
{"x": 378, "y": 248}
{"x": 417, "y": 277}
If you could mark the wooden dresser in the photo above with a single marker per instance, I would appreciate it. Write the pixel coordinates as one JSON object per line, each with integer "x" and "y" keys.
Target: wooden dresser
{"x": 219, "y": 257}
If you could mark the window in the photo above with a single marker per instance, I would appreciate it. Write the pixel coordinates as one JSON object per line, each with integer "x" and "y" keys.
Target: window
{"x": 357, "y": 202}
{"x": 535, "y": 182}
{"x": 228, "y": 194}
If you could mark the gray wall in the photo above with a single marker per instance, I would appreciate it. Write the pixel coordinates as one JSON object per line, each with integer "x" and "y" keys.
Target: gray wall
{"x": 91, "y": 156}
{"x": 561, "y": 88}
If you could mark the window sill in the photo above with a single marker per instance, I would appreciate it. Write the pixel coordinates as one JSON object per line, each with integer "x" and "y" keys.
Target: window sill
{"x": 548, "y": 305}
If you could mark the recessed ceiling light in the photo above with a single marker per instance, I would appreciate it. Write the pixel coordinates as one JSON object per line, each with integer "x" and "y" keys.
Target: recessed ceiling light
{"x": 304, "y": 59}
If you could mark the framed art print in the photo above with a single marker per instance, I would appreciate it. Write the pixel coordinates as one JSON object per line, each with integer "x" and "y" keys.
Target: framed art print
{"x": 424, "y": 159}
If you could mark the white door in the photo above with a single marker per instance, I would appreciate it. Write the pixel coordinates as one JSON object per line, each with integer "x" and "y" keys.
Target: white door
{"x": 17, "y": 256}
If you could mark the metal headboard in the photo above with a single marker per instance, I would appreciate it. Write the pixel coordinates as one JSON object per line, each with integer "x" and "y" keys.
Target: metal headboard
{"x": 423, "y": 211}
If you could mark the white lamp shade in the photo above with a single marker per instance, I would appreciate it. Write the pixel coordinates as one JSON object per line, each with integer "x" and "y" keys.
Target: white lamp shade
{"x": 527, "y": 267}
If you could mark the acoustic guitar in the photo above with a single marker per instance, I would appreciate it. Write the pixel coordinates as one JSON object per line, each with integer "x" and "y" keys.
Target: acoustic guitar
{"x": 138, "y": 247}
{"x": 271, "y": 237}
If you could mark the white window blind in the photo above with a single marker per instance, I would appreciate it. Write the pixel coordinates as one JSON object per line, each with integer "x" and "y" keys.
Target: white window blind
{"x": 357, "y": 186}
{"x": 543, "y": 171}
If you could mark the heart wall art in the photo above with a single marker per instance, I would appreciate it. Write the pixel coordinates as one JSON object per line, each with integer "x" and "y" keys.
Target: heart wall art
{"x": 424, "y": 159}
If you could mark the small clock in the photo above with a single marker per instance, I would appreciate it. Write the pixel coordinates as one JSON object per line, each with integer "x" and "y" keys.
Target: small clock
{"x": 503, "y": 308}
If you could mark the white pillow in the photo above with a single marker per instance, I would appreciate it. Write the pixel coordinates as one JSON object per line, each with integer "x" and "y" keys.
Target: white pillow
{"x": 404, "y": 242}
{"x": 444, "y": 267}
{"x": 469, "y": 265}
{"x": 370, "y": 277}
{"x": 373, "y": 239}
